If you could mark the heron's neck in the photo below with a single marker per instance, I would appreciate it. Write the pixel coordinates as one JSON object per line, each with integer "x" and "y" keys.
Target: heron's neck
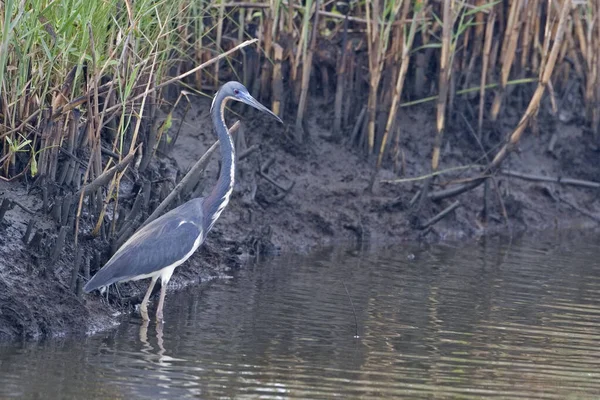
{"x": 219, "y": 197}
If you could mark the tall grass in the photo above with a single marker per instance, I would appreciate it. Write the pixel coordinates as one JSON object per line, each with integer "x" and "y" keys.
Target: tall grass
{"x": 53, "y": 53}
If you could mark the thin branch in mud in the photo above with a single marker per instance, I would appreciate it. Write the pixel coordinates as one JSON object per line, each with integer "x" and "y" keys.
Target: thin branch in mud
{"x": 22, "y": 207}
{"x": 107, "y": 175}
{"x": 441, "y": 215}
{"x": 476, "y": 137}
{"x": 263, "y": 172}
{"x": 248, "y": 151}
{"x": 192, "y": 175}
{"x": 556, "y": 179}
{"x": 275, "y": 183}
{"x": 266, "y": 165}
{"x": 574, "y": 206}
{"x": 456, "y": 190}
{"x": 414, "y": 199}
{"x": 430, "y": 175}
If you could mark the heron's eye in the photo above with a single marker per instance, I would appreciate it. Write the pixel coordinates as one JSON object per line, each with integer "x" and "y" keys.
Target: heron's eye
{"x": 236, "y": 91}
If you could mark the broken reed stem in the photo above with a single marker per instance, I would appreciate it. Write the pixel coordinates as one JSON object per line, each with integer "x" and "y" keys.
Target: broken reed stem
{"x": 277, "y": 80}
{"x": 444, "y": 77}
{"x": 446, "y": 211}
{"x": 100, "y": 181}
{"x": 108, "y": 175}
{"x": 509, "y": 48}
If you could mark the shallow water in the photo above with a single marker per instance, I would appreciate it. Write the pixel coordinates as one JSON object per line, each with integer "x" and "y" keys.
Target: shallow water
{"x": 498, "y": 318}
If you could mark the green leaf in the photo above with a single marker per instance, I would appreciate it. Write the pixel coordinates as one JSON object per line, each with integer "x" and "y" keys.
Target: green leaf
{"x": 34, "y": 166}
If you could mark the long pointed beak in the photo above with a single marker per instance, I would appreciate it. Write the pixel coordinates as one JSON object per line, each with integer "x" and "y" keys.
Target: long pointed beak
{"x": 254, "y": 103}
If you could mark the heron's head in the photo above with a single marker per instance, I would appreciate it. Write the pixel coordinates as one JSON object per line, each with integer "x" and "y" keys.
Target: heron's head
{"x": 236, "y": 91}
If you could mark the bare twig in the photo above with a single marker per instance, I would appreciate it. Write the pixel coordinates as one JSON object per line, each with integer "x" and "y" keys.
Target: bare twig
{"x": 106, "y": 176}
{"x": 441, "y": 215}
{"x": 554, "y": 179}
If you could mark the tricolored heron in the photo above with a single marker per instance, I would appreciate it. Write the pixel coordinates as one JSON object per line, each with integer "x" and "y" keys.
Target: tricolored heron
{"x": 167, "y": 242}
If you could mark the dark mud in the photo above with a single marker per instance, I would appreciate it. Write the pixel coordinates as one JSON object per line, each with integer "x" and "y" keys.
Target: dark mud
{"x": 332, "y": 200}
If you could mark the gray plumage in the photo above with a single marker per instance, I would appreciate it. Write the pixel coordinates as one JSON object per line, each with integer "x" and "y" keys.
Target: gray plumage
{"x": 167, "y": 242}
{"x": 161, "y": 243}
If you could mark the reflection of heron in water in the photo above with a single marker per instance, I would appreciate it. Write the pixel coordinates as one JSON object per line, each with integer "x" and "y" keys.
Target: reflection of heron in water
{"x": 148, "y": 349}
{"x": 167, "y": 242}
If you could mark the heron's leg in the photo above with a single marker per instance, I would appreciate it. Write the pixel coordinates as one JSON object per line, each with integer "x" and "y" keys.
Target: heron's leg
{"x": 144, "y": 305}
{"x": 161, "y": 302}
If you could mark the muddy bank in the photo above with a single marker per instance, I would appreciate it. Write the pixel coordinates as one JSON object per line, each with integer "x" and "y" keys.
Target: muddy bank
{"x": 292, "y": 197}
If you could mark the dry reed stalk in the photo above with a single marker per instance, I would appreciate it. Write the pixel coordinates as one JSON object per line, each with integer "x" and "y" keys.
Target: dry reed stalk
{"x": 404, "y": 62}
{"x": 479, "y": 18}
{"x": 306, "y": 68}
{"x": 487, "y": 46}
{"x": 350, "y": 86}
{"x": 377, "y": 41}
{"x": 302, "y": 40}
{"x": 394, "y": 59}
{"x": 444, "y": 77}
{"x": 530, "y": 17}
{"x": 509, "y": 48}
{"x": 581, "y": 36}
{"x": 277, "y": 82}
